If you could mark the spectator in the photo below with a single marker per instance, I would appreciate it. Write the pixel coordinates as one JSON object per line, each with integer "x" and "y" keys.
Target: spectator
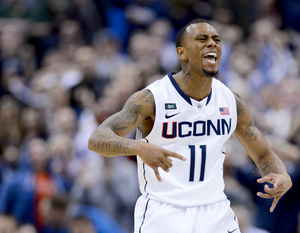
{"x": 8, "y": 224}
{"x": 67, "y": 65}
{"x": 26, "y": 191}
{"x": 81, "y": 224}
{"x": 27, "y": 228}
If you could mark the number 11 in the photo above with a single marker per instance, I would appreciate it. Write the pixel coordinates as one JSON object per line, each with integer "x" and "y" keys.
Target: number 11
{"x": 193, "y": 158}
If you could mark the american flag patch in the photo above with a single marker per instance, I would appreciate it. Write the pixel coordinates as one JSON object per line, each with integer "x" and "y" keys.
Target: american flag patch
{"x": 224, "y": 111}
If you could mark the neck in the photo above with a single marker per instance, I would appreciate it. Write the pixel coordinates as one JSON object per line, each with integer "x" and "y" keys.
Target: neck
{"x": 196, "y": 86}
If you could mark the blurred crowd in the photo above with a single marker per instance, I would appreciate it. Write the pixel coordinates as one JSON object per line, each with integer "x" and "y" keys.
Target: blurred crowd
{"x": 68, "y": 65}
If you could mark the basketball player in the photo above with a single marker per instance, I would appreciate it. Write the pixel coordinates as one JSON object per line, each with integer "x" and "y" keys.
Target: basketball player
{"x": 184, "y": 119}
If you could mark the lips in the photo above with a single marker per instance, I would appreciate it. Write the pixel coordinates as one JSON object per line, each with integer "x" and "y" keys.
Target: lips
{"x": 211, "y": 57}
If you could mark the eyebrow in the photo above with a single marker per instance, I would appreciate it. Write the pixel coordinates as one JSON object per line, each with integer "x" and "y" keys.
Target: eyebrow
{"x": 205, "y": 35}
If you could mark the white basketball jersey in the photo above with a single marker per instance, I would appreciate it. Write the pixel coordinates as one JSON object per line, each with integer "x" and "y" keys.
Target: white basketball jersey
{"x": 197, "y": 130}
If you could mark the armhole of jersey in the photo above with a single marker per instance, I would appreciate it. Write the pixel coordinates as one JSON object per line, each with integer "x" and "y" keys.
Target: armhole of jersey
{"x": 153, "y": 127}
{"x": 235, "y": 102}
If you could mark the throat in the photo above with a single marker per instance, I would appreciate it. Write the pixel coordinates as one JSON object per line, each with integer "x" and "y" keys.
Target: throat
{"x": 197, "y": 89}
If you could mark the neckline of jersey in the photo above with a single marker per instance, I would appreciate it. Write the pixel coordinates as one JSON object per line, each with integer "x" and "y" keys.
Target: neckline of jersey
{"x": 183, "y": 95}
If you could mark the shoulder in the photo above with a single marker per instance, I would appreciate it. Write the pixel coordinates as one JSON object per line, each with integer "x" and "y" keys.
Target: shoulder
{"x": 141, "y": 102}
{"x": 141, "y": 98}
{"x": 221, "y": 88}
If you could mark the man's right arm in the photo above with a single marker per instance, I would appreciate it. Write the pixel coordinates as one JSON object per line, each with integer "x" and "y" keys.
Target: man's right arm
{"x": 109, "y": 138}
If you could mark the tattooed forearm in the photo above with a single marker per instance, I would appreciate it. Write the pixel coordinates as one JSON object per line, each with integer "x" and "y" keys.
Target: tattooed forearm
{"x": 107, "y": 143}
{"x": 271, "y": 166}
{"x": 109, "y": 138}
{"x": 250, "y": 131}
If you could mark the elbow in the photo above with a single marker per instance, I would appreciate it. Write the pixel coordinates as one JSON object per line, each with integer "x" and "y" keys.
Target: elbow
{"x": 92, "y": 144}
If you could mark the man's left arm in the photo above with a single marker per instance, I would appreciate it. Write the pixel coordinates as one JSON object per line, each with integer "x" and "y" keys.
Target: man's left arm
{"x": 269, "y": 164}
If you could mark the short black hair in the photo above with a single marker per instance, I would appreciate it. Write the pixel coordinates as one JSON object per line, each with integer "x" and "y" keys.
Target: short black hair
{"x": 181, "y": 33}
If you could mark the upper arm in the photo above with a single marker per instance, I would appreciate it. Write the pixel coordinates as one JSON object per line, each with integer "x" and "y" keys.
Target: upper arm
{"x": 248, "y": 134}
{"x": 137, "y": 108}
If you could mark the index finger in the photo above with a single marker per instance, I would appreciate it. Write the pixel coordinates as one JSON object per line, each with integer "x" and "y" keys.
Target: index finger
{"x": 267, "y": 178}
{"x": 177, "y": 156}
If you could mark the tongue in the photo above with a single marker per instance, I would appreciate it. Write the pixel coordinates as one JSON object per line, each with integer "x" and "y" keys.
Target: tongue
{"x": 210, "y": 60}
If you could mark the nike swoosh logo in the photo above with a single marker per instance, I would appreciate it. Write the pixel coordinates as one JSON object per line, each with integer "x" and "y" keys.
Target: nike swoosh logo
{"x": 232, "y": 231}
{"x": 169, "y": 116}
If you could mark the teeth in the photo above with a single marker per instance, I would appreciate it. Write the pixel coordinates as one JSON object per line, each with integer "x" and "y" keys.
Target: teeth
{"x": 211, "y": 54}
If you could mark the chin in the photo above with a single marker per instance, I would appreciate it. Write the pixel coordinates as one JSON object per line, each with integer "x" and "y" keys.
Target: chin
{"x": 210, "y": 74}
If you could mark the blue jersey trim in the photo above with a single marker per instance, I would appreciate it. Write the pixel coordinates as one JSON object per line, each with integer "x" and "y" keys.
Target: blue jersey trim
{"x": 183, "y": 95}
{"x": 144, "y": 215}
{"x": 146, "y": 182}
{"x": 208, "y": 97}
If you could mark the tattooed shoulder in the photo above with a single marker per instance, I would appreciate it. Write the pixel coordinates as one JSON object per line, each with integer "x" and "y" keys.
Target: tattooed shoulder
{"x": 128, "y": 115}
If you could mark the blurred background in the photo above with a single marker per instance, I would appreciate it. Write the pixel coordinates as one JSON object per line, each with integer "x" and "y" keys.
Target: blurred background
{"x": 66, "y": 65}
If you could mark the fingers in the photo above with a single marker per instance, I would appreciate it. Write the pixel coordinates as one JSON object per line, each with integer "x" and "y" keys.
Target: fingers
{"x": 155, "y": 157}
{"x": 274, "y": 203}
{"x": 157, "y": 174}
{"x": 177, "y": 156}
{"x": 165, "y": 167}
{"x": 155, "y": 169}
{"x": 276, "y": 197}
{"x": 269, "y": 178}
{"x": 275, "y": 192}
{"x": 269, "y": 192}
{"x": 165, "y": 163}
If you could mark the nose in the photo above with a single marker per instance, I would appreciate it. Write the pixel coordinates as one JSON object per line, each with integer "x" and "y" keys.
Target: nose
{"x": 211, "y": 43}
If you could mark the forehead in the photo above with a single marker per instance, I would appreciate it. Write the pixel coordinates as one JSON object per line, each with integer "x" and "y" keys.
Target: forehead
{"x": 200, "y": 28}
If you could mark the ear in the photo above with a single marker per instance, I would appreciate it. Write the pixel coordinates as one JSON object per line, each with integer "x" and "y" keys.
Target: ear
{"x": 181, "y": 53}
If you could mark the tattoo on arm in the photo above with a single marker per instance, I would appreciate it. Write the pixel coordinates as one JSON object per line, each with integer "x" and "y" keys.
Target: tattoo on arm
{"x": 250, "y": 131}
{"x": 255, "y": 143}
{"x": 240, "y": 106}
{"x": 116, "y": 146}
{"x": 128, "y": 116}
{"x": 106, "y": 142}
{"x": 270, "y": 166}
{"x": 150, "y": 99}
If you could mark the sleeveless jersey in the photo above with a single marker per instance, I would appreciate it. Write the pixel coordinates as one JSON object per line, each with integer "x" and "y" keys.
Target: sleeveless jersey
{"x": 195, "y": 129}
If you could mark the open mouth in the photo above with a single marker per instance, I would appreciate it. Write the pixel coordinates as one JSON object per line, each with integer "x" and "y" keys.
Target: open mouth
{"x": 211, "y": 57}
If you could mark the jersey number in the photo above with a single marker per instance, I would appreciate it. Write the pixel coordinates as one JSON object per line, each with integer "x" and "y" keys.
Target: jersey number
{"x": 193, "y": 158}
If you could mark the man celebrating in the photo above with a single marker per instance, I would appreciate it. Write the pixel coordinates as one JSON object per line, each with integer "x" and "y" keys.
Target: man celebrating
{"x": 183, "y": 121}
